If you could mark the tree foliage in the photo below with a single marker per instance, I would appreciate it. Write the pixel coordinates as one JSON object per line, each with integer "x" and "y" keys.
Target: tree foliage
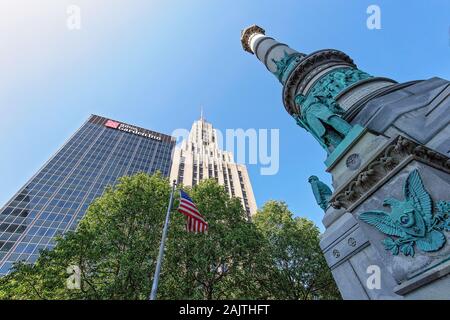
{"x": 116, "y": 244}
{"x": 212, "y": 265}
{"x": 297, "y": 269}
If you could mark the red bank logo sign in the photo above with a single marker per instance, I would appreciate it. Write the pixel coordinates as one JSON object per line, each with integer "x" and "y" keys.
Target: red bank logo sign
{"x": 130, "y": 129}
{"x": 112, "y": 124}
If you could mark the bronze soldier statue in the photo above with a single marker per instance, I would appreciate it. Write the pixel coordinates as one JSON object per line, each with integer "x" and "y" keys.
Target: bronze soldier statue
{"x": 320, "y": 116}
{"x": 321, "y": 191}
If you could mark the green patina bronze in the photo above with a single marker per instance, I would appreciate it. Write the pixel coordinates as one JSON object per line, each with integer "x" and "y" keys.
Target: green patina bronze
{"x": 286, "y": 65}
{"x": 334, "y": 82}
{"x": 320, "y": 114}
{"x": 321, "y": 192}
{"x": 320, "y": 118}
{"x": 412, "y": 221}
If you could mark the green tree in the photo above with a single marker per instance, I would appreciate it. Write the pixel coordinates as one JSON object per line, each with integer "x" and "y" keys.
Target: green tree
{"x": 298, "y": 269}
{"x": 216, "y": 265}
{"x": 115, "y": 246}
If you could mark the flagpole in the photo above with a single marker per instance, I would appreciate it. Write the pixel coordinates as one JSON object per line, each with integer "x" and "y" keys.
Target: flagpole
{"x": 161, "y": 247}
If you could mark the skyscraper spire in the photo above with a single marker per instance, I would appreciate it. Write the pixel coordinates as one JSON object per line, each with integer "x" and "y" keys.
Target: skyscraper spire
{"x": 201, "y": 113}
{"x": 201, "y": 157}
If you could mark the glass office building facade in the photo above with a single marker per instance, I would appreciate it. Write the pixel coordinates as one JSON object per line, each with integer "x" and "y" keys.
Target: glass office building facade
{"x": 54, "y": 200}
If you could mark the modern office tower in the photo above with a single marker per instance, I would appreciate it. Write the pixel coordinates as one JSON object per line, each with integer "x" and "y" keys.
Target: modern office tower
{"x": 55, "y": 199}
{"x": 199, "y": 157}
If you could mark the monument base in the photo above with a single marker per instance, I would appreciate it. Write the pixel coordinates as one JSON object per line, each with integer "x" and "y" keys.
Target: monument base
{"x": 355, "y": 250}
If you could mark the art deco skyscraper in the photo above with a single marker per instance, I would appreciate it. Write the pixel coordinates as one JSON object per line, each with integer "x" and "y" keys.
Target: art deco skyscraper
{"x": 199, "y": 157}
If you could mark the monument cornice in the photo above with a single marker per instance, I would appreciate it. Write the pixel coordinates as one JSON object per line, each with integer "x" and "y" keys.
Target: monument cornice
{"x": 307, "y": 65}
{"x": 390, "y": 159}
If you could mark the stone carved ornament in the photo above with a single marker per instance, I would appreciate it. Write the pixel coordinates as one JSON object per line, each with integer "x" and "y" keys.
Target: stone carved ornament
{"x": 388, "y": 160}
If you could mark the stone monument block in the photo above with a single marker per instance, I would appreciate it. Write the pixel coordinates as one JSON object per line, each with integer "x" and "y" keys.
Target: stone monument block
{"x": 387, "y": 148}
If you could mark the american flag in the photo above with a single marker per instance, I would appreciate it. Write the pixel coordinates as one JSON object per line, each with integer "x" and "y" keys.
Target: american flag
{"x": 195, "y": 221}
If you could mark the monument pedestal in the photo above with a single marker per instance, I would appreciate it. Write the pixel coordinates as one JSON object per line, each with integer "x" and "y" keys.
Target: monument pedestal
{"x": 387, "y": 221}
{"x": 354, "y": 248}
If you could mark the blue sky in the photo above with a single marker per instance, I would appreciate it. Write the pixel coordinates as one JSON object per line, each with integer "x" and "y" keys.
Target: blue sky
{"x": 154, "y": 63}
